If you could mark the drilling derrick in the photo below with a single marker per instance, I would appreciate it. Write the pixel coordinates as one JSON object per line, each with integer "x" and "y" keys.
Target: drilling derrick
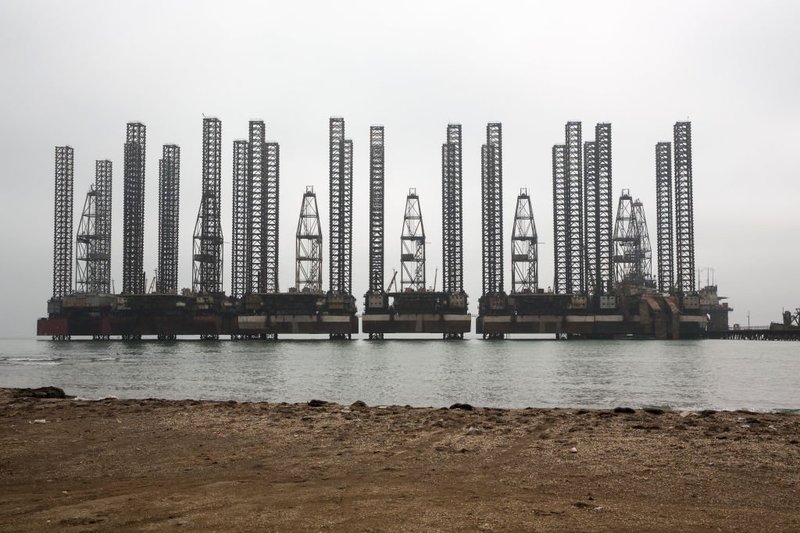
{"x": 86, "y": 258}
{"x": 133, "y": 210}
{"x": 524, "y": 248}
{"x": 269, "y": 235}
{"x": 169, "y": 181}
{"x": 664, "y": 217}
{"x": 255, "y": 198}
{"x": 207, "y": 245}
{"x": 684, "y": 209}
{"x": 632, "y": 253}
{"x": 308, "y": 271}
{"x": 241, "y": 277}
{"x": 560, "y": 259}
{"x": 412, "y": 246}
{"x": 102, "y": 187}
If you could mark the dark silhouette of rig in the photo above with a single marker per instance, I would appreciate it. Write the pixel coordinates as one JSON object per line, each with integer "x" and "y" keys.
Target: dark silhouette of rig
{"x": 603, "y": 284}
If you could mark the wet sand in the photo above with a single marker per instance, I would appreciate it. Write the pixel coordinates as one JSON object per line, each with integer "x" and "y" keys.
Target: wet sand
{"x": 73, "y": 465}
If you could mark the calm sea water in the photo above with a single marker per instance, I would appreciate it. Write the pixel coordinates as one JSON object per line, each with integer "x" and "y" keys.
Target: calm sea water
{"x": 762, "y": 376}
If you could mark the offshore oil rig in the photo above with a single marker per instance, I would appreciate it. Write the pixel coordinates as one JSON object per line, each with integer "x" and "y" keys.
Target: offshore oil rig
{"x": 603, "y": 285}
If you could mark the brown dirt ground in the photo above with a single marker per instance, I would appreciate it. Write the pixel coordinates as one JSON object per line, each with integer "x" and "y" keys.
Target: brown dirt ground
{"x": 156, "y": 465}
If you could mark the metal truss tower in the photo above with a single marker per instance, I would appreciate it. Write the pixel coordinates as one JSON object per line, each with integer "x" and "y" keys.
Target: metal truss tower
{"x": 452, "y": 198}
{"x": 412, "y": 246}
{"x": 308, "y": 270}
{"x": 207, "y": 246}
{"x": 269, "y": 219}
{"x": 524, "y": 247}
{"x": 241, "y": 277}
{"x": 604, "y": 267}
{"x": 86, "y": 260}
{"x": 664, "y": 231}
{"x": 102, "y": 186}
{"x": 169, "y": 182}
{"x": 254, "y": 223}
{"x": 684, "y": 209}
{"x": 133, "y": 209}
{"x": 492, "y": 209}
{"x": 341, "y": 208}
{"x": 591, "y": 232}
{"x": 574, "y": 204}
{"x": 560, "y": 259}
{"x": 376, "y": 204}
{"x": 632, "y": 252}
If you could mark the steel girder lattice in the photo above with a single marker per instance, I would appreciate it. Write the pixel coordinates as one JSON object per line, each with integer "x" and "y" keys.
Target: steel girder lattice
{"x": 452, "y": 198}
{"x": 270, "y": 203}
{"x": 169, "y": 182}
{"x": 85, "y": 245}
{"x": 632, "y": 252}
{"x": 664, "y": 231}
{"x": 241, "y": 277}
{"x": 492, "y": 219}
{"x": 341, "y": 207}
{"x": 308, "y": 251}
{"x": 133, "y": 209}
{"x": 376, "y": 204}
{"x": 591, "y": 201}
{"x": 524, "y": 247}
{"x": 684, "y": 208}
{"x": 574, "y": 176}
{"x": 207, "y": 248}
{"x": 62, "y": 221}
{"x": 604, "y": 274}
{"x": 256, "y": 208}
{"x": 412, "y": 246}
{"x": 102, "y": 185}
{"x": 560, "y": 259}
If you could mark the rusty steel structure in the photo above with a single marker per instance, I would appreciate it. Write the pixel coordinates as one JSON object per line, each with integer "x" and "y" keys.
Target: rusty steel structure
{"x": 308, "y": 251}
{"x": 340, "y": 250}
{"x": 524, "y": 247}
{"x": 492, "y": 210}
{"x": 133, "y": 209}
{"x": 604, "y": 285}
{"x": 412, "y": 246}
{"x": 684, "y": 209}
{"x": 664, "y": 224}
{"x": 169, "y": 186}
{"x": 207, "y": 240}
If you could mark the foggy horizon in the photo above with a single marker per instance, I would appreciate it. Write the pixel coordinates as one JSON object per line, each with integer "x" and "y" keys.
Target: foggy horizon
{"x": 731, "y": 72}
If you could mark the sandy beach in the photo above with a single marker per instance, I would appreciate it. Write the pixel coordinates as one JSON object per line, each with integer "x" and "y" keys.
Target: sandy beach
{"x": 73, "y": 465}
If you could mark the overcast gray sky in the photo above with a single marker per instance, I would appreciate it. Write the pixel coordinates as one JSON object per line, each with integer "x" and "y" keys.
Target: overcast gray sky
{"x": 75, "y": 72}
